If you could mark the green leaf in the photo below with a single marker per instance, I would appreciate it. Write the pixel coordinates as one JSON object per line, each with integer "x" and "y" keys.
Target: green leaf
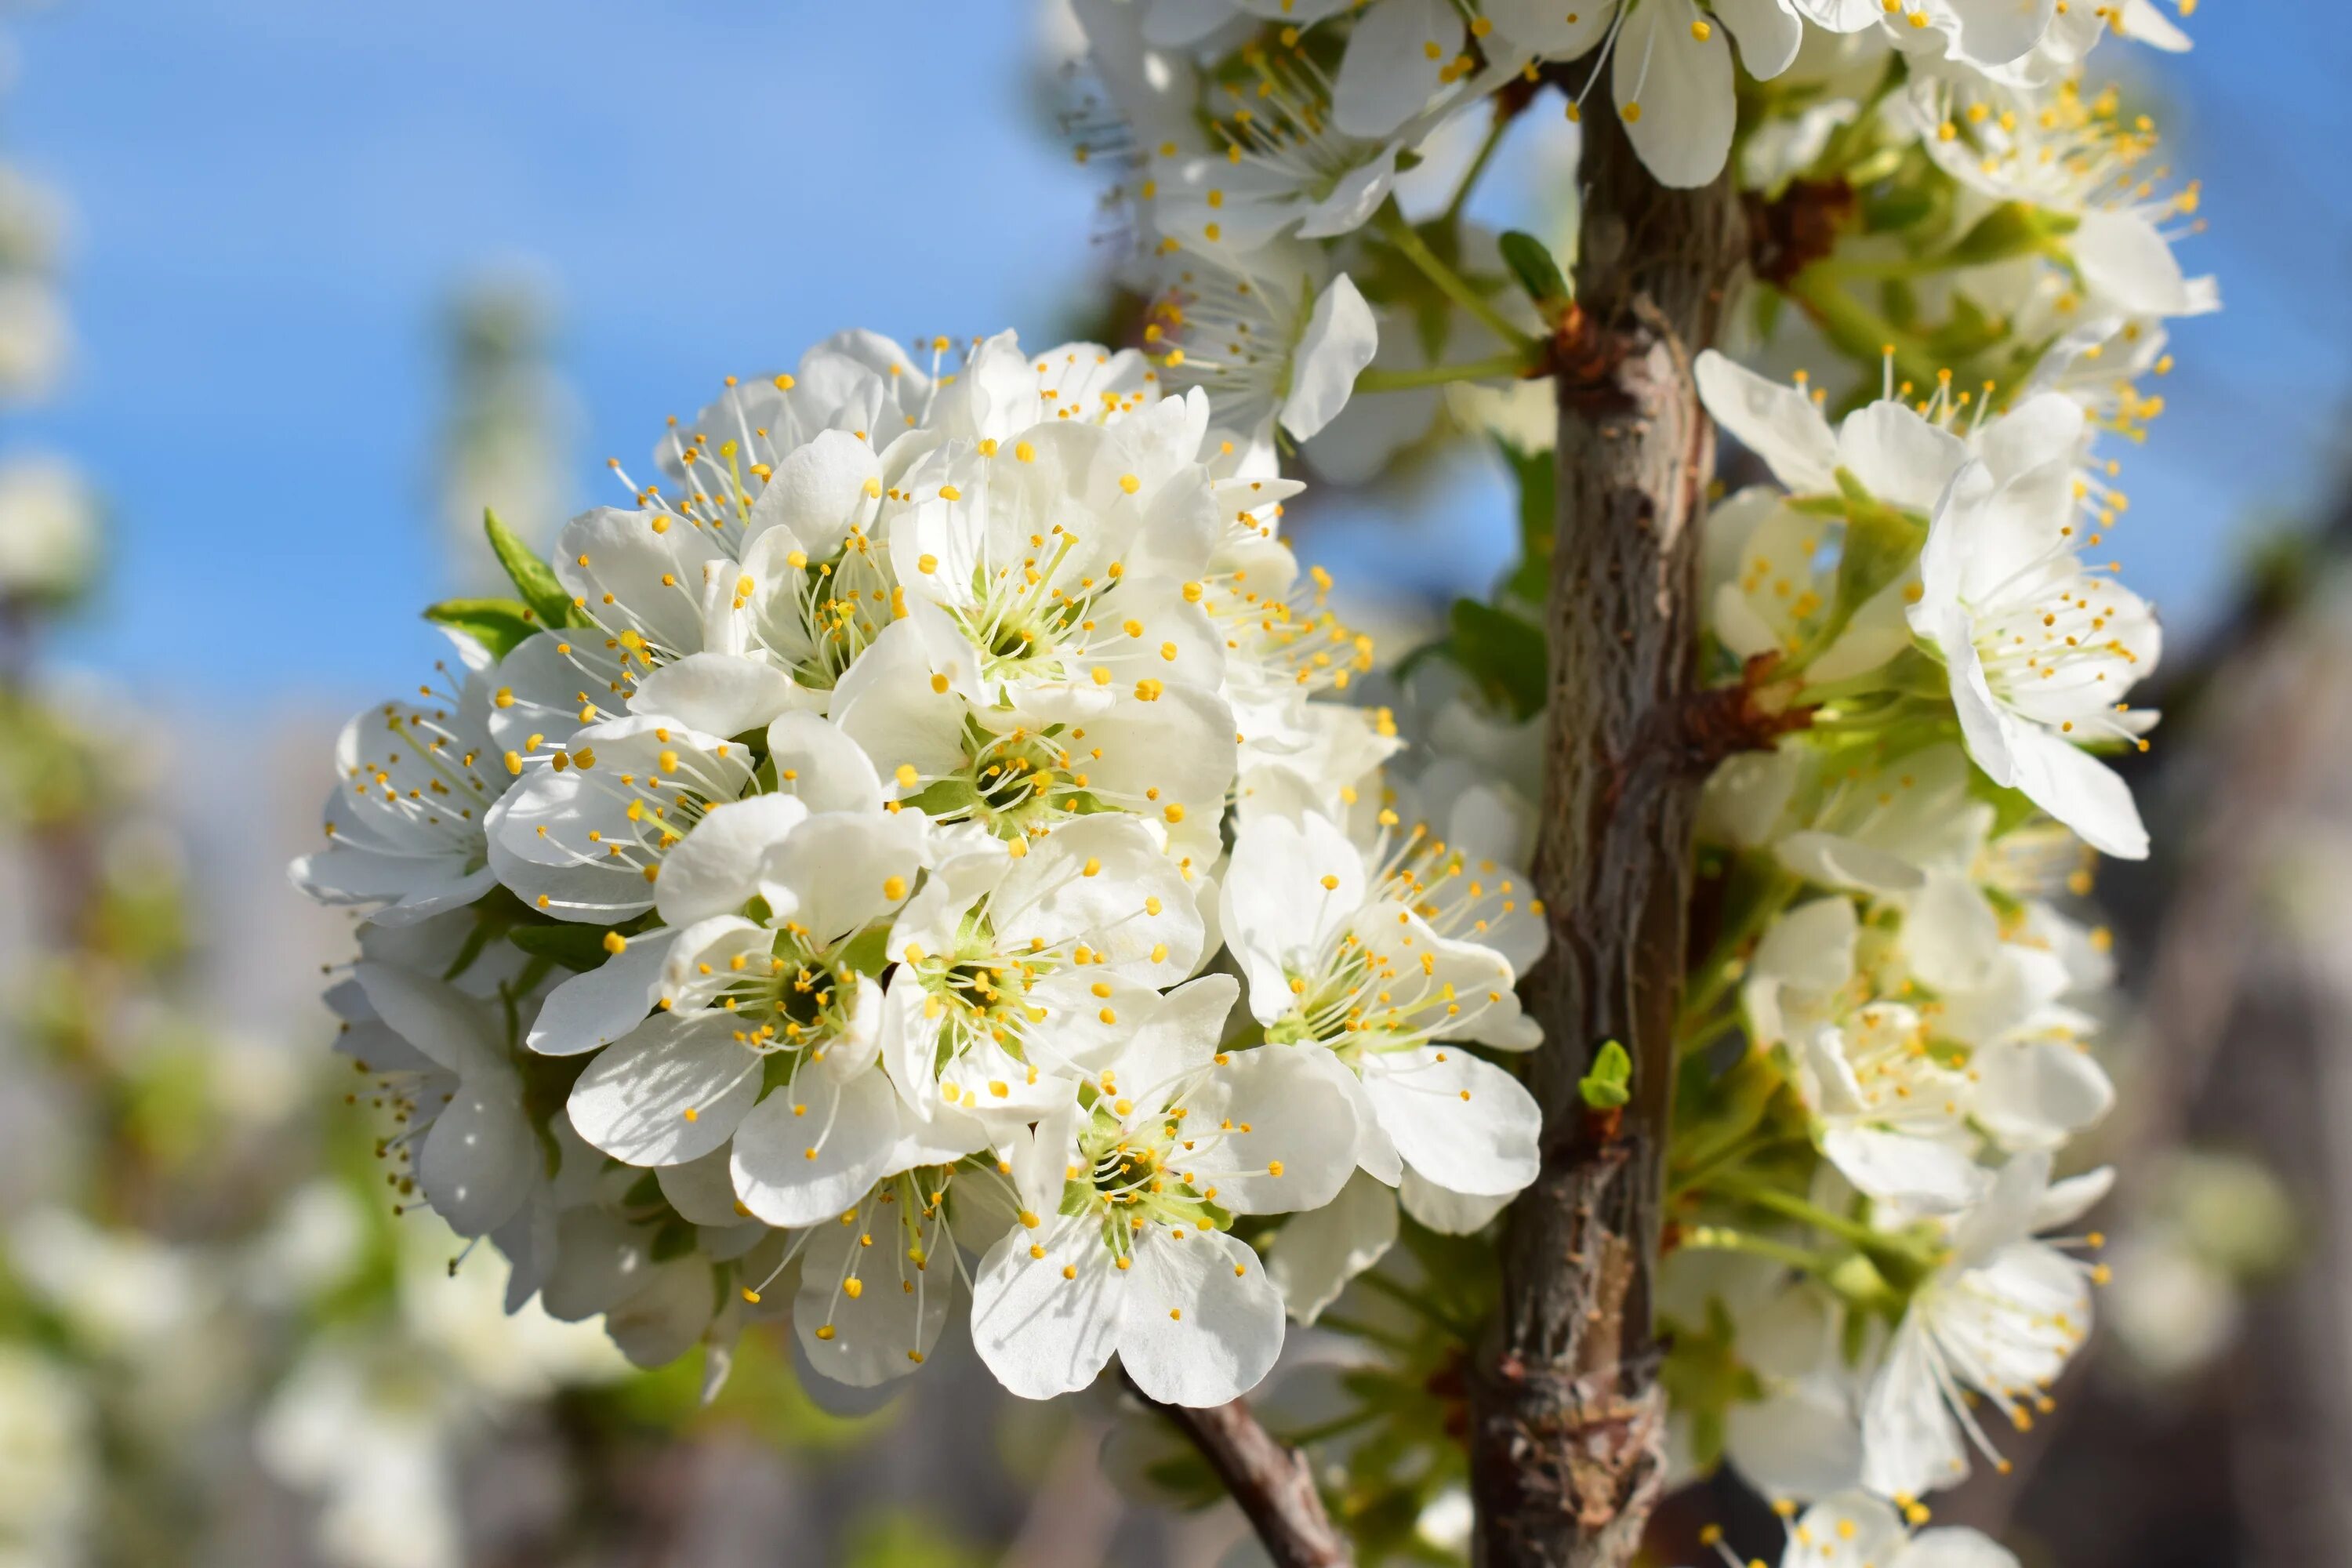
{"x": 531, "y": 576}
{"x": 1531, "y": 262}
{"x": 1608, "y": 1085}
{"x": 579, "y": 947}
{"x": 498, "y": 625}
{"x": 1503, "y": 653}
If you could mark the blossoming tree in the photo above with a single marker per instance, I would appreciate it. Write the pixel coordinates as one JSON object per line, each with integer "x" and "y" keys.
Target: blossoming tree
{"x": 932, "y": 852}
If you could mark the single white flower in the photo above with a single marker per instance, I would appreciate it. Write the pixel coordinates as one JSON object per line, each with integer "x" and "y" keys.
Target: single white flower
{"x": 2041, "y": 651}
{"x": 2079, "y": 159}
{"x": 1015, "y": 972}
{"x": 1890, "y": 1114}
{"x": 1270, "y": 335}
{"x": 1122, "y": 1245}
{"x": 477, "y": 1156}
{"x": 405, "y": 826}
{"x": 584, "y": 836}
{"x": 1364, "y": 963}
{"x": 1998, "y": 1319}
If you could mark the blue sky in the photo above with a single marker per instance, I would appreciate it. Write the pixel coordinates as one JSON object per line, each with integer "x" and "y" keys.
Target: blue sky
{"x": 275, "y": 196}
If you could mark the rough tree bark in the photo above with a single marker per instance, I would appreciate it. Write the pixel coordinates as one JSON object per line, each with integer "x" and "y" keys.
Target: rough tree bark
{"x": 1569, "y": 1423}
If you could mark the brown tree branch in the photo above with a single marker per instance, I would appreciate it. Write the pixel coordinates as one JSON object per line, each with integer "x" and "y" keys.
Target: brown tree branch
{"x": 1569, "y": 1423}
{"x": 1271, "y": 1482}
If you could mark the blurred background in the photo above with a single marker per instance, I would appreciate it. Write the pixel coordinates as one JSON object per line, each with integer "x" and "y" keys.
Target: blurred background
{"x": 288, "y": 292}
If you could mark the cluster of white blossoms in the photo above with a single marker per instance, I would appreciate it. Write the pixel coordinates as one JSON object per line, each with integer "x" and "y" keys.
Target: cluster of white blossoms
{"x": 906, "y": 863}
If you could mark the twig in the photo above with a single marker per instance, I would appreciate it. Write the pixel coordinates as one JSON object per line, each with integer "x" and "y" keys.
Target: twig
{"x": 1271, "y": 1482}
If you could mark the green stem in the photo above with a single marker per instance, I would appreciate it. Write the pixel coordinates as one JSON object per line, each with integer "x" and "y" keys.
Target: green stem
{"x": 1449, "y": 282}
{"x": 1789, "y": 1205}
{"x": 1723, "y": 1238}
{"x": 1857, "y": 329}
{"x": 1715, "y": 969}
{"x": 1690, "y": 1040}
{"x": 1477, "y": 166}
{"x": 1513, "y": 365}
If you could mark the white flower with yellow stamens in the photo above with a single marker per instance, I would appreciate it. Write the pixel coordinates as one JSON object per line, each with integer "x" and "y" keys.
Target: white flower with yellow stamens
{"x": 1993, "y": 1326}
{"x": 582, "y": 836}
{"x": 915, "y": 704}
{"x": 1366, "y": 962}
{"x": 1122, "y": 1246}
{"x": 405, "y": 827}
{"x": 2041, "y": 651}
{"x": 878, "y": 1277}
{"x": 1063, "y": 559}
{"x": 1016, "y": 973}
{"x": 2081, "y": 159}
{"x": 1270, "y": 335}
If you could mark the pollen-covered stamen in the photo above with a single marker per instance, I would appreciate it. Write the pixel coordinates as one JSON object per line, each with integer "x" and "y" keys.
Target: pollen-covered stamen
{"x": 429, "y": 773}
{"x": 1288, "y": 630}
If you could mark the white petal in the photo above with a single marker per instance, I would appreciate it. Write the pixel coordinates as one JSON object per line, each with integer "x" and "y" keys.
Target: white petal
{"x": 634, "y": 1100}
{"x": 899, "y": 1307}
{"x": 820, "y": 491}
{"x": 1954, "y": 1547}
{"x": 823, "y": 766}
{"x": 1899, "y": 457}
{"x": 1768, "y": 33}
{"x": 807, "y": 1152}
{"x": 438, "y": 1020}
{"x": 1284, "y": 1116}
{"x": 479, "y": 1157}
{"x": 1443, "y": 1210}
{"x": 714, "y": 870}
{"x": 1391, "y": 69}
{"x": 1317, "y": 1252}
{"x": 1341, "y": 338}
{"x": 2080, "y": 791}
{"x": 1047, "y": 1324}
{"x": 702, "y": 1191}
{"x": 1202, "y": 1324}
{"x": 662, "y": 1320}
{"x": 718, "y": 692}
{"x": 1779, "y": 424}
{"x": 592, "y": 1010}
{"x": 1910, "y": 1445}
{"x": 1682, "y": 85}
{"x": 1927, "y": 1173}
{"x": 1465, "y": 1123}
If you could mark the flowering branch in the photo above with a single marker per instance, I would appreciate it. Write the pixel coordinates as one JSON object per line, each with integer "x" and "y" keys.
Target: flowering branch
{"x": 1273, "y": 1483}
{"x": 1569, "y": 1437}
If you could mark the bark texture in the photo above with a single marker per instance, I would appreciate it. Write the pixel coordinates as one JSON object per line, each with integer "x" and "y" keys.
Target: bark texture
{"x": 1569, "y": 1423}
{"x": 1271, "y": 1483}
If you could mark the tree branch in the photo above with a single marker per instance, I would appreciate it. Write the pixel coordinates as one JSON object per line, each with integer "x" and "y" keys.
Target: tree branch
{"x": 1569, "y": 1423}
{"x": 1271, "y": 1481}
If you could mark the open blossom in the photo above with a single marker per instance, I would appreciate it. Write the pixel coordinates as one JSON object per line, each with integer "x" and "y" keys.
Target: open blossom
{"x": 1122, "y": 1246}
{"x": 2042, "y": 651}
{"x": 1379, "y": 965}
{"x": 405, "y": 825}
{"x": 1998, "y": 1319}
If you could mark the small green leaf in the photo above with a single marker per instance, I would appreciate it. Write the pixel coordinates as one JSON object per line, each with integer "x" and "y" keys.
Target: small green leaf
{"x": 498, "y": 625}
{"x": 1531, "y": 262}
{"x": 1606, "y": 1087}
{"x": 531, "y": 576}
